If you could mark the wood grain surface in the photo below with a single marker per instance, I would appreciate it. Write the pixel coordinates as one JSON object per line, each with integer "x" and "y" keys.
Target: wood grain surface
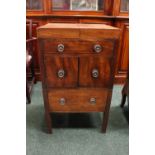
{"x": 77, "y": 100}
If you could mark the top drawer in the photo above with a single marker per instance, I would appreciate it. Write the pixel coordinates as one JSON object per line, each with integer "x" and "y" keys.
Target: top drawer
{"x": 77, "y": 46}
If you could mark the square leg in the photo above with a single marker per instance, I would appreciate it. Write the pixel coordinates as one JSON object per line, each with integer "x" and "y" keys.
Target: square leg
{"x": 106, "y": 113}
{"x": 105, "y": 121}
{"x": 48, "y": 122}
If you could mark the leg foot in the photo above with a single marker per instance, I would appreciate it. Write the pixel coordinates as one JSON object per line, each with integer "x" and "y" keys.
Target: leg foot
{"x": 105, "y": 122}
{"x": 48, "y": 122}
{"x": 28, "y": 97}
{"x": 106, "y": 113}
{"x": 123, "y": 101}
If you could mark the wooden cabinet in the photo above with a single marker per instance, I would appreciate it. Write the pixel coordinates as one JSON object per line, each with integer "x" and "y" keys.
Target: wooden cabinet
{"x": 78, "y": 75}
{"x": 69, "y": 7}
{"x": 109, "y": 12}
{"x": 123, "y": 52}
{"x": 35, "y": 51}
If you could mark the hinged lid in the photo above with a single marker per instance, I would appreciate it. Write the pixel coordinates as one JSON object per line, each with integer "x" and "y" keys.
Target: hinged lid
{"x": 79, "y": 31}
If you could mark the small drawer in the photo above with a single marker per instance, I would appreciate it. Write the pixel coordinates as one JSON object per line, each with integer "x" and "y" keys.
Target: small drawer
{"x": 104, "y": 47}
{"x": 61, "y": 71}
{"x": 95, "y": 71}
{"x": 77, "y": 100}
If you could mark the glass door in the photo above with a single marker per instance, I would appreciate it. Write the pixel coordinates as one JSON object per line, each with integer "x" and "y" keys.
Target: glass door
{"x": 77, "y": 5}
{"x": 34, "y": 5}
{"x": 124, "y": 7}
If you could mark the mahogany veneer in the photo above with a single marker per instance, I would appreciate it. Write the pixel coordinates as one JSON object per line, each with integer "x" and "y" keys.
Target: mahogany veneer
{"x": 77, "y": 66}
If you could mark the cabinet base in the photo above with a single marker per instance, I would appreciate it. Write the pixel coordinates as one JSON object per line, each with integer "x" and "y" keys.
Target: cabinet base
{"x": 49, "y": 123}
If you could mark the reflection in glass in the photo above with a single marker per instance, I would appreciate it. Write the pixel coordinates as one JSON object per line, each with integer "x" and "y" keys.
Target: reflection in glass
{"x": 124, "y": 5}
{"x": 61, "y": 4}
{"x": 84, "y": 5}
{"x": 80, "y": 5}
{"x": 34, "y": 4}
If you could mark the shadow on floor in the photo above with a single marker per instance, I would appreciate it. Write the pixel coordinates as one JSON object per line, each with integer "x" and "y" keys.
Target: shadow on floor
{"x": 76, "y": 120}
{"x": 35, "y": 119}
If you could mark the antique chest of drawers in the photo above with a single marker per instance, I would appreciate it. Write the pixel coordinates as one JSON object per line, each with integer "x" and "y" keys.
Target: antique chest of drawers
{"x": 77, "y": 66}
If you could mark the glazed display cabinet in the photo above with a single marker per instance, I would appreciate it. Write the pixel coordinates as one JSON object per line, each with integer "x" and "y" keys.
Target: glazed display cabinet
{"x": 109, "y": 12}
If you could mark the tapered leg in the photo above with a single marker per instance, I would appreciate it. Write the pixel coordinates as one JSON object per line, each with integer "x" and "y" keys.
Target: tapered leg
{"x": 48, "y": 122}
{"x": 28, "y": 93}
{"x": 106, "y": 114}
{"x": 125, "y": 92}
{"x": 105, "y": 121}
{"x": 123, "y": 100}
{"x": 33, "y": 72}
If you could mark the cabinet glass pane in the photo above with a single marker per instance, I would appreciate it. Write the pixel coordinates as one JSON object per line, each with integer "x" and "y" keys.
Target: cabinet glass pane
{"x": 77, "y": 5}
{"x": 124, "y": 5}
{"x": 61, "y": 4}
{"x": 34, "y": 5}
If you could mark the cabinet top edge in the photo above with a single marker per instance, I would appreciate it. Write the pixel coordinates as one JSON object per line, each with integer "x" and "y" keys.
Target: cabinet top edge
{"x": 76, "y": 26}
{"x": 77, "y": 16}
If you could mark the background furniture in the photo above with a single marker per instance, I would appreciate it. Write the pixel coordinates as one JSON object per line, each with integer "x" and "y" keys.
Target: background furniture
{"x": 125, "y": 92}
{"x": 30, "y": 71}
{"x": 110, "y": 12}
{"x": 125, "y": 95}
{"x": 77, "y": 66}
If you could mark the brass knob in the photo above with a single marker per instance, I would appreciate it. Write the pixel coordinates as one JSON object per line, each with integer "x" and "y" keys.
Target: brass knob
{"x": 93, "y": 100}
{"x": 97, "y": 48}
{"x": 61, "y": 73}
{"x": 60, "y": 48}
{"x": 95, "y": 73}
{"x": 62, "y": 101}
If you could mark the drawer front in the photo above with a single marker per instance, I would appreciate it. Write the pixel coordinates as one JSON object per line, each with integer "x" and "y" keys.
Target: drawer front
{"x": 104, "y": 47}
{"x": 77, "y": 100}
{"x": 61, "y": 71}
{"x": 95, "y": 71}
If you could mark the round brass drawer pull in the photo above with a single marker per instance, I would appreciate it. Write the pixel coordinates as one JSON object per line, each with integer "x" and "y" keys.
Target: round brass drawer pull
{"x": 60, "y": 48}
{"x": 61, "y": 73}
{"x": 93, "y": 100}
{"x": 62, "y": 101}
{"x": 95, "y": 73}
{"x": 97, "y": 48}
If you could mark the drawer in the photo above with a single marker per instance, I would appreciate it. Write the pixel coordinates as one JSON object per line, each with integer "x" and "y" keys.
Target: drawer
{"x": 95, "y": 71}
{"x": 61, "y": 71}
{"x": 78, "y": 47}
{"x": 77, "y": 100}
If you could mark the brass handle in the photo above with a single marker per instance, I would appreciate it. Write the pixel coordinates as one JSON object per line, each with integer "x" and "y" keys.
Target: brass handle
{"x": 97, "y": 48}
{"x": 61, "y": 73}
{"x": 95, "y": 73}
{"x": 93, "y": 100}
{"x": 60, "y": 48}
{"x": 62, "y": 101}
